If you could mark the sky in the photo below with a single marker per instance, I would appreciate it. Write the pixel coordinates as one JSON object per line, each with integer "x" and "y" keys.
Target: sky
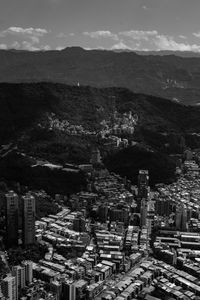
{"x": 100, "y": 24}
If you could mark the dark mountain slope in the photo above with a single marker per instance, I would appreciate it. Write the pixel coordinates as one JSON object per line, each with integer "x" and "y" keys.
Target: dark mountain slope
{"x": 22, "y": 105}
{"x": 169, "y": 52}
{"x": 129, "y": 161}
{"x": 167, "y": 76}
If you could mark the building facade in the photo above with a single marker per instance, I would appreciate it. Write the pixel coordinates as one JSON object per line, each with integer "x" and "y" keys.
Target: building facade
{"x": 28, "y": 220}
{"x": 12, "y": 210}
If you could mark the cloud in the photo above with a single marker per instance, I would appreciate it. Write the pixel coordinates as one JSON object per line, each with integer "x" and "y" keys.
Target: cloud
{"x": 120, "y": 46}
{"x": 102, "y": 34}
{"x": 30, "y": 47}
{"x": 35, "y": 39}
{"x": 27, "y": 38}
{"x": 139, "y": 34}
{"x": 60, "y": 48}
{"x": 196, "y": 34}
{"x": 61, "y": 35}
{"x": 144, "y": 39}
{"x": 15, "y": 45}
{"x": 182, "y": 37}
{"x": 46, "y": 48}
{"x": 3, "y": 46}
{"x": 33, "y": 35}
{"x": 164, "y": 42}
{"x": 38, "y": 32}
{"x": 152, "y": 40}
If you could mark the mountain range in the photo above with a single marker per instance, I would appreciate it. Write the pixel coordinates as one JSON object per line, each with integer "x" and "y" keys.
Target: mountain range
{"x": 162, "y": 52}
{"x": 165, "y": 74}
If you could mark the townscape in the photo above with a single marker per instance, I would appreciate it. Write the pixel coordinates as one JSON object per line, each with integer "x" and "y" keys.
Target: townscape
{"x": 112, "y": 241}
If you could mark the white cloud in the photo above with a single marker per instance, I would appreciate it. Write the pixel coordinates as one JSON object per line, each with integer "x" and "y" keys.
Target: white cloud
{"x": 29, "y": 46}
{"x": 152, "y": 40}
{"x": 61, "y": 35}
{"x": 60, "y": 47}
{"x": 39, "y": 32}
{"x": 196, "y": 34}
{"x": 3, "y": 46}
{"x": 35, "y": 39}
{"x": 120, "y": 46}
{"x": 164, "y": 42}
{"x": 46, "y": 48}
{"x": 102, "y": 34}
{"x": 15, "y": 45}
{"x": 145, "y": 39}
{"x": 33, "y": 35}
{"x": 182, "y": 37}
{"x": 139, "y": 34}
{"x": 88, "y": 48}
{"x": 27, "y": 38}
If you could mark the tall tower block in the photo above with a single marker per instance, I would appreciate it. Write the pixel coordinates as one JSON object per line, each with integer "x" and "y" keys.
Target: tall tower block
{"x": 12, "y": 210}
{"x": 28, "y": 220}
{"x": 143, "y": 184}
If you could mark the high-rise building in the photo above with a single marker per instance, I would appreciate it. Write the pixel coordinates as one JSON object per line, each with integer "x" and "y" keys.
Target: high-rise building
{"x": 2, "y": 297}
{"x": 28, "y": 270}
{"x": 103, "y": 213}
{"x": 164, "y": 207}
{"x": 119, "y": 213}
{"x": 181, "y": 218}
{"x": 19, "y": 273}
{"x": 80, "y": 288}
{"x": 150, "y": 215}
{"x": 56, "y": 289}
{"x": 9, "y": 287}
{"x": 143, "y": 213}
{"x": 79, "y": 224}
{"x": 68, "y": 290}
{"x": 143, "y": 183}
{"x": 12, "y": 209}
{"x": 74, "y": 290}
{"x": 28, "y": 220}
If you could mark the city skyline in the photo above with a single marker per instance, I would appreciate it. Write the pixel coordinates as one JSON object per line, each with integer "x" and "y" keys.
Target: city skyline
{"x": 114, "y": 24}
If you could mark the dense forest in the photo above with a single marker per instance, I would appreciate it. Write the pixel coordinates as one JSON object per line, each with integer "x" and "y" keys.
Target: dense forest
{"x": 162, "y": 127}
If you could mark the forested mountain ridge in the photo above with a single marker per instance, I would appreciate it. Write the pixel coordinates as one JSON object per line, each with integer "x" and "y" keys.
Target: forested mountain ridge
{"x": 168, "y": 76}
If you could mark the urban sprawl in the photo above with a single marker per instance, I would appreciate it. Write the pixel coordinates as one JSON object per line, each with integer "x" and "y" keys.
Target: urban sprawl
{"x": 113, "y": 241}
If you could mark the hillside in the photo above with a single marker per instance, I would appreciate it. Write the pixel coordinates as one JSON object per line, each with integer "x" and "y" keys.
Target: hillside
{"x": 167, "y": 76}
{"x": 17, "y": 167}
{"x": 170, "y": 52}
{"x": 23, "y": 106}
{"x": 24, "y": 115}
{"x": 129, "y": 161}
